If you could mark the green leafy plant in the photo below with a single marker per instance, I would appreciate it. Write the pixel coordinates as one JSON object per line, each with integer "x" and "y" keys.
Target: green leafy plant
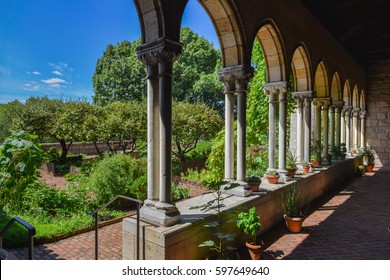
{"x": 292, "y": 206}
{"x": 272, "y": 173}
{"x": 291, "y": 160}
{"x": 248, "y": 223}
{"x": 215, "y": 205}
{"x": 179, "y": 192}
{"x": 253, "y": 179}
{"x": 305, "y": 163}
{"x": 368, "y": 155}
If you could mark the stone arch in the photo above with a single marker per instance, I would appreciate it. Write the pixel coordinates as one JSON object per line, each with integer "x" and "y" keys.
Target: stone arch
{"x": 347, "y": 93}
{"x": 363, "y": 100}
{"x": 355, "y": 97}
{"x": 300, "y": 65}
{"x": 229, "y": 28}
{"x": 272, "y": 47}
{"x": 336, "y": 93}
{"x": 321, "y": 80}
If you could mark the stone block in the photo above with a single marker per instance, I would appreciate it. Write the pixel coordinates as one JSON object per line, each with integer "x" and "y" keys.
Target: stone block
{"x": 381, "y": 116}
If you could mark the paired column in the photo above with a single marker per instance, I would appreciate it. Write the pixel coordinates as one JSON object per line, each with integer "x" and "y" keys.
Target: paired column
{"x": 235, "y": 79}
{"x": 338, "y": 108}
{"x": 347, "y": 116}
{"x": 318, "y": 102}
{"x": 159, "y": 57}
{"x": 325, "y": 126}
{"x": 355, "y": 128}
{"x": 362, "y": 116}
{"x": 332, "y": 125}
{"x": 307, "y": 126}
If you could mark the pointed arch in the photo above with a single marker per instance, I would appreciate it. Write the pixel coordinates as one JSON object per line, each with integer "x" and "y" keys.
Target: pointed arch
{"x": 272, "y": 48}
{"x": 321, "y": 80}
{"x": 355, "y": 97}
{"x": 363, "y": 100}
{"x": 300, "y": 65}
{"x": 336, "y": 93}
{"x": 347, "y": 93}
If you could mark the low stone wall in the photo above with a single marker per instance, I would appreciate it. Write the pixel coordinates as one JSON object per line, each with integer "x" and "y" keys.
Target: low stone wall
{"x": 181, "y": 241}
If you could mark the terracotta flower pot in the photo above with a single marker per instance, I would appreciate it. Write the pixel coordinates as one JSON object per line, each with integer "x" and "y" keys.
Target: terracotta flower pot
{"x": 291, "y": 171}
{"x": 315, "y": 163}
{"x": 306, "y": 168}
{"x": 369, "y": 168}
{"x": 255, "y": 250}
{"x": 254, "y": 186}
{"x": 294, "y": 224}
{"x": 272, "y": 179}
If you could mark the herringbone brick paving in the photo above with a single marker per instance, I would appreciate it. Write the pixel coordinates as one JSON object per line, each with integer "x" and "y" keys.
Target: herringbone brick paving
{"x": 350, "y": 223}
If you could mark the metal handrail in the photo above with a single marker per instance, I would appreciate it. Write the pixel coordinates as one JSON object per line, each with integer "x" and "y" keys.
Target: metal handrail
{"x": 31, "y": 233}
{"x": 95, "y": 215}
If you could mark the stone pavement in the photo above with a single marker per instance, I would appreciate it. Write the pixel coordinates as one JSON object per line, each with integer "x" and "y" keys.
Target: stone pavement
{"x": 349, "y": 223}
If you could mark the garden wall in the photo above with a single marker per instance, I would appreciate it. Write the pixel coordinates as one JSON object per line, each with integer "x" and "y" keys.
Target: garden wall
{"x": 181, "y": 241}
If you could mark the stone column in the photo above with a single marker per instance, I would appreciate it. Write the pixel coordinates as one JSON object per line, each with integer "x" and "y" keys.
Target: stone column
{"x": 242, "y": 79}
{"x": 161, "y": 53}
{"x": 318, "y": 102}
{"x": 325, "y": 126}
{"x": 338, "y": 107}
{"x": 228, "y": 81}
{"x": 343, "y": 125}
{"x": 362, "y": 116}
{"x": 307, "y": 126}
{"x": 332, "y": 126}
{"x": 299, "y": 99}
{"x": 282, "y": 90}
{"x": 355, "y": 115}
{"x": 347, "y": 115}
{"x": 153, "y": 108}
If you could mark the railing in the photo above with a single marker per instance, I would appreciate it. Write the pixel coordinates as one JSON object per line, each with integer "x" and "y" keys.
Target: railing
{"x": 31, "y": 233}
{"x": 96, "y": 216}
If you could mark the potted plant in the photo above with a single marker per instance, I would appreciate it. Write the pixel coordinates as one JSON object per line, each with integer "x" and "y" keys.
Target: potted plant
{"x": 360, "y": 169}
{"x": 369, "y": 157}
{"x": 305, "y": 166}
{"x": 315, "y": 157}
{"x": 291, "y": 163}
{"x": 293, "y": 213}
{"x": 253, "y": 182}
{"x": 248, "y": 223}
{"x": 272, "y": 177}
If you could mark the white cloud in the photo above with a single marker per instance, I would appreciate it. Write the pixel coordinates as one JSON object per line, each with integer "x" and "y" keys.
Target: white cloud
{"x": 36, "y": 73}
{"x": 30, "y": 87}
{"x": 54, "y": 81}
{"x": 56, "y": 72}
{"x": 57, "y": 67}
{"x": 57, "y": 86}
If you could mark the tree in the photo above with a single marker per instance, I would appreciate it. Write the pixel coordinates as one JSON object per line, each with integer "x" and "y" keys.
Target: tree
{"x": 8, "y": 113}
{"x": 126, "y": 123}
{"x": 191, "y": 123}
{"x": 119, "y": 75}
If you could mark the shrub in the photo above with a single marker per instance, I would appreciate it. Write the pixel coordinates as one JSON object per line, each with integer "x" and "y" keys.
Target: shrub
{"x": 139, "y": 187}
{"x": 114, "y": 175}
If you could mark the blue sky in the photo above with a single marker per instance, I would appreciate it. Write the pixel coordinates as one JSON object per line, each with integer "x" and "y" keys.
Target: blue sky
{"x": 50, "y": 47}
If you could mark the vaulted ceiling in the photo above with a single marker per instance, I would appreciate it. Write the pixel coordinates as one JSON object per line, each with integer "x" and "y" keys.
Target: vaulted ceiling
{"x": 361, "y": 26}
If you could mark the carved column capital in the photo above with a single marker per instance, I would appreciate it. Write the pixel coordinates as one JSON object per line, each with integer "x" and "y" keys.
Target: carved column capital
{"x": 276, "y": 87}
{"x": 362, "y": 114}
{"x": 236, "y": 78}
{"x": 161, "y": 50}
{"x": 347, "y": 111}
{"x": 355, "y": 112}
{"x": 337, "y": 104}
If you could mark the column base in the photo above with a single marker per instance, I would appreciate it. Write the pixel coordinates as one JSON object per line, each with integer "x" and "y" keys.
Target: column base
{"x": 238, "y": 188}
{"x": 283, "y": 175}
{"x": 163, "y": 214}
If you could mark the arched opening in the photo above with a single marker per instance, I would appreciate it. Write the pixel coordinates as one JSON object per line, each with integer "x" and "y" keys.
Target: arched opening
{"x": 300, "y": 65}
{"x": 336, "y": 93}
{"x": 347, "y": 93}
{"x": 355, "y": 98}
{"x": 321, "y": 80}
{"x": 363, "y": 100}
{"x": 273, "y": 53}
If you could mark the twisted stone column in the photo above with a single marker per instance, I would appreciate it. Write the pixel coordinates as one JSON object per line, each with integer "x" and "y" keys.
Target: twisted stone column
{"x": 362, "y": 116}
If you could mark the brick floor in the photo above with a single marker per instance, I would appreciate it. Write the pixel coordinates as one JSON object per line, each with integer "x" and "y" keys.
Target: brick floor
{"x": 350, "y": 223}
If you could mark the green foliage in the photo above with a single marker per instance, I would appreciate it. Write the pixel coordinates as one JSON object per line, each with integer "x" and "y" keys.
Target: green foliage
{"x": 248, "y": 223}
{"x": 272, "y": 173}
{"x": 8, "y": 113}
{"x": 253, "y": 179}
{"x": 179, "y": 192}
{"x": 292, "y": 206}
{"x": 368, "y": 155}
{"x": 113, "y": 176}
{"x": 139, "y": 188}
{"x": 291, "y": 160}
{"x": 215, "y": 205}
{"x": 190, "y": 124}
{"x": 125, "y": 122}
{"x": 316, "y": 150}
{"x": 201, "y": 151}
{"x": 20, "y": 159}
{"x": 119, "y": 75}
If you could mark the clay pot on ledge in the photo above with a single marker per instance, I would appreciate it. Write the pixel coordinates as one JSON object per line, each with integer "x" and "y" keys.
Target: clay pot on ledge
{"x": 272, "y": 177}
{"x": 369, "y": 168}
{"x": 255, "y": 251}
{"x": 291, "y": 171}
{"x": 294, "y": 224}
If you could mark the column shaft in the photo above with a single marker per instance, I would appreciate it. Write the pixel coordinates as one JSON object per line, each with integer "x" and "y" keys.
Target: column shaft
{"x": 153, "y": 132}
{"x": 362, "y": 129}
{"x": 272, "y": 131}
{"x": 325, "y": 125}
{"x": 348, "y": 130}
{"x": 337, "y": 126}
{"x": 332, "y": 131}
{"x": 299, "y": 129}
{"x": 282, "y": 132}
{"x": 241, "y": 136}
{"x": 229, "y": 136}
{"x": 307, "y": 139}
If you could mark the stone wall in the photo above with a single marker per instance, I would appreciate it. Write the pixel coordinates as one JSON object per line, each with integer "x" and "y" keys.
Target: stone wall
{"x": 378, "y": 110}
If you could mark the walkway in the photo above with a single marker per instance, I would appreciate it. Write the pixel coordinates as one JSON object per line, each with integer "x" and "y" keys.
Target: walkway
{"x": 350, "y": 223}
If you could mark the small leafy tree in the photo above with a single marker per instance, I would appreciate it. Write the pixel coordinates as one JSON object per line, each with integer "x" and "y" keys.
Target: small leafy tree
{"x": 190, "y": 124}
{"x": 248, "y": 223}
{"x": 8, "y": 113}
{"x": 20, "y": 159}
